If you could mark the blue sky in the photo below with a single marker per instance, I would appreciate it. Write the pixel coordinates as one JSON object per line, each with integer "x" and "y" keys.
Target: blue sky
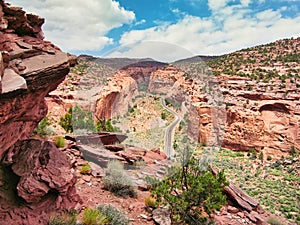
{"x": 165, "y": 30}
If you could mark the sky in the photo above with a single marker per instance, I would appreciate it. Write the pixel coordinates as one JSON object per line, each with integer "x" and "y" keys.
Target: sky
{"x": 165, "y": 30}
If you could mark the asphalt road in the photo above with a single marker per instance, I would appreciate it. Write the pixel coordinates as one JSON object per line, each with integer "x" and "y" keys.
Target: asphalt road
{"x": 168, "y": 150}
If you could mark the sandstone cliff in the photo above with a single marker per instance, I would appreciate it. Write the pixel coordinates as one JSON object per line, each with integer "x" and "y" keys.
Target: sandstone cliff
{"x": 115, "y": 97}
{"x": 259, "y": 115}
{"x": 34, "y": 173}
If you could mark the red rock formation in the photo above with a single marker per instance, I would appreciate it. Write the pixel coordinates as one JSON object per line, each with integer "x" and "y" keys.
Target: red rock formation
{"x": 43, "y": 169}
{"x": 260, "y": 119}
{"x": 33, "y": 172}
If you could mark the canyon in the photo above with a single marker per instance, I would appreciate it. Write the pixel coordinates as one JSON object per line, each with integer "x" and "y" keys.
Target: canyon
{"x": 219, "y": 109}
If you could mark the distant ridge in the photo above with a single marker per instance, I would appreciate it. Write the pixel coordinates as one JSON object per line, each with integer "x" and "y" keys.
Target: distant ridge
{"x": 197, "y": 59}
{"x": 119, "y": 63}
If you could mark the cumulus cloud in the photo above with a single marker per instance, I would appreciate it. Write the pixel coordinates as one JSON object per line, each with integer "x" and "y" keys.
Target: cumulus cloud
{"x": 78, "y": 24}
{"x": 160, "y": 51}
{"x": 226, "y": 30}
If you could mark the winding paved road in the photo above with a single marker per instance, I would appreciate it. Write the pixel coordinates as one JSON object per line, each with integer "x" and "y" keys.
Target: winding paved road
{"x": 168, "y": 150}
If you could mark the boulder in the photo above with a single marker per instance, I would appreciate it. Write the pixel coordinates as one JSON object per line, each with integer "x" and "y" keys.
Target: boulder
{"x": 42, "y": 169}
{"x": 162, "y": 216}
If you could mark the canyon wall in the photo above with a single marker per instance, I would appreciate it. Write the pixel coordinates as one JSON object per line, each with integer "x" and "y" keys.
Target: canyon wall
{"x": 261, "y": 119}
{"x": 117, "y": 95}
{"x": 35, "y": 176}
{"x": 265, "y": 118}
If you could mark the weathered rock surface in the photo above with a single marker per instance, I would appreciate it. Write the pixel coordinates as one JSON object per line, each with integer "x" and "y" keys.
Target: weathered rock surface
{"x": 115, "y": 98}
{"x": 34, "y": 173}
{"x": 42, "y": 169}
{"x": 162, "y": 216}
{"x": 264, "y": 118}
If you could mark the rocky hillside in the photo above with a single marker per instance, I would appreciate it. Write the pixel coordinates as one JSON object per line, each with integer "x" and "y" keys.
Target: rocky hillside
{"x": 35, "y": 177}
{"x": 261, "y": 90}
{"x": 232, "y": 110}
{"x": 262, "y": 63}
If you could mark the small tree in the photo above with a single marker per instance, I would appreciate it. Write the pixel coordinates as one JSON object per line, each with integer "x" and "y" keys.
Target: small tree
{"x": 189, "y": 191}
{"x": 43, "y": 127}
{"x": 66, "y": 121}
{"x": 163, "y": 115}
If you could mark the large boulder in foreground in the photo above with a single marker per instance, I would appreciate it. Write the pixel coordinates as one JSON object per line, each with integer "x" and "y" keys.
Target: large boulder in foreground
{"x": 42, "y": 169}
{"x": 35, "y": 177}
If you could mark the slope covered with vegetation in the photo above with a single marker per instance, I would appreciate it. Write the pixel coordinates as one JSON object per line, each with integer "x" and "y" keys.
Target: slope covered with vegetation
{"x": 264, "y": 62}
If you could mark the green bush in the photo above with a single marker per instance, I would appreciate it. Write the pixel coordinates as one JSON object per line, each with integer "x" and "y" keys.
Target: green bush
{"x": 261, "y": 156}
{"x": 42, "y": 128}
{"x": 93, "y": 217}
{"x": 113, "y": 215}
{"x": 77, "y": 119}
{"x": 189, "y": 190}
{"x": 66, "y": 121}
{"x": 59, "y": 142}
{"x": 150, "y": 201}
{"x": 106, "y": 126}
{"x": 85, "y": 168}
{"x": 67, "y": 218}
{"x": 292, "y": 151}
{"x": 163, "y": 115}
{"x": 117, "y": 181}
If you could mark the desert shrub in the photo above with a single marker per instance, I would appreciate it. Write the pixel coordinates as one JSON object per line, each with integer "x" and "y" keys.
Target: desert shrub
{"x": 140, "y": 163}
{"x": 85, "y": 168}
{"x": 59, "y": 142}
{"x": 67, "y": 218}
{"x": 163, "y": 115}
{"x": 93, "y": 217}
{"x": 77, "y": 119}
{"x": 151, "y": 202}
{"x": 82, "y": 120}
{"x": 273, "y": 221}
{"x": 189, "y": 191}
{"x": 43, "y": 128}
{"x": 106, "y": 126}
{"x": 117, "y": 181}
{"x": 269, "y": 158}
{"x": 66, "y": 121}
{"x": 113, "y": 215}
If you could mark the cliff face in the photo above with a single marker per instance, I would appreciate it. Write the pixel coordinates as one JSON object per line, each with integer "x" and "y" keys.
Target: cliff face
{"x": 115, "y": 97}
{"x": 264, "y": 118}
{"x": 30, "y": 68}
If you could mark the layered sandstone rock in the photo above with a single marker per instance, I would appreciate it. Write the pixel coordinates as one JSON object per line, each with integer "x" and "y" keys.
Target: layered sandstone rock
{"x": 258, "y": 115}
{"x": 115, "y": 98}
{"x": 117, "y": 95}
{"x": 265, "y": 118}
{"x": 35, "y": 170}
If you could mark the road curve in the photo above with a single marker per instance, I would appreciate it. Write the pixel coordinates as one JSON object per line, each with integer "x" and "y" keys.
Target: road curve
{"x": 168, "y": 150}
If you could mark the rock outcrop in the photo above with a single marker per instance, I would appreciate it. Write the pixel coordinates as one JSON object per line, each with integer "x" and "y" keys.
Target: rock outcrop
{"x": 115, "y": 97}
{"x": 261, "y": 116}
{"x": 33, "y": 172}
{"x": 265, "y": 118}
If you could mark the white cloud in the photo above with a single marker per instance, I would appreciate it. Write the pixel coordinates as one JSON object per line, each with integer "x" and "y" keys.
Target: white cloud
{"x": 161, "y": 51}
{"x": 228, "y": 29}
{"x": 215, "y": 5}
{"x": 245, "y": 2}
{"x": 78, "y": 24}
{"x": 140, "y": 22}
